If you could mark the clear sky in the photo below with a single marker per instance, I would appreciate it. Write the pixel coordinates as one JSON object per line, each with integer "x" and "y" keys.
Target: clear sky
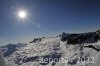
{"x": 46, "y": 18}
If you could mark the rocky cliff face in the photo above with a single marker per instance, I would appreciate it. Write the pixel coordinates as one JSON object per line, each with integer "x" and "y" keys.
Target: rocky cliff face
{"x": 74, "y": 38}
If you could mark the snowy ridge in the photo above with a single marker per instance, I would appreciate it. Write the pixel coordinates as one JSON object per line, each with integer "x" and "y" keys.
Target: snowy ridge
{"x": 76, "y": 54}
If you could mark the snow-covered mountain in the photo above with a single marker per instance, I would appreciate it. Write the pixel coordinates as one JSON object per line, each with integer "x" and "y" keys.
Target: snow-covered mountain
{"x": 63, "y": 50}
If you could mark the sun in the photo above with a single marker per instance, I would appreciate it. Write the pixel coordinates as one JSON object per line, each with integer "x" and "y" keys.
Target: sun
{"x": 22, "y": 14}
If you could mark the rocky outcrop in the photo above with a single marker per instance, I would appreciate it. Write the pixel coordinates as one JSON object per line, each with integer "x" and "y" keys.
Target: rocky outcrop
{"x": 89, "y": 37}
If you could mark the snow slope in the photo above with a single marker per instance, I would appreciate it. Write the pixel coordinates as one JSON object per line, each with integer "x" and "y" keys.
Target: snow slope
{"x": 51, "y": 51}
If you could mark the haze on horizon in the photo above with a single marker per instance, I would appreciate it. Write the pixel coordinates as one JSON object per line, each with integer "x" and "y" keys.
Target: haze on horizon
{"x": 46, "y": 18}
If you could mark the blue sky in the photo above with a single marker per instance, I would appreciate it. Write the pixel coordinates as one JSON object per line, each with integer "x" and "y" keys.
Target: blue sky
{"x": 46, "y": 18}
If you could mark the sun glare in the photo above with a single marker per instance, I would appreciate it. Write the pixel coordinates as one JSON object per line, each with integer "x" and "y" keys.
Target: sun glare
{"x": 22, "y": 14}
